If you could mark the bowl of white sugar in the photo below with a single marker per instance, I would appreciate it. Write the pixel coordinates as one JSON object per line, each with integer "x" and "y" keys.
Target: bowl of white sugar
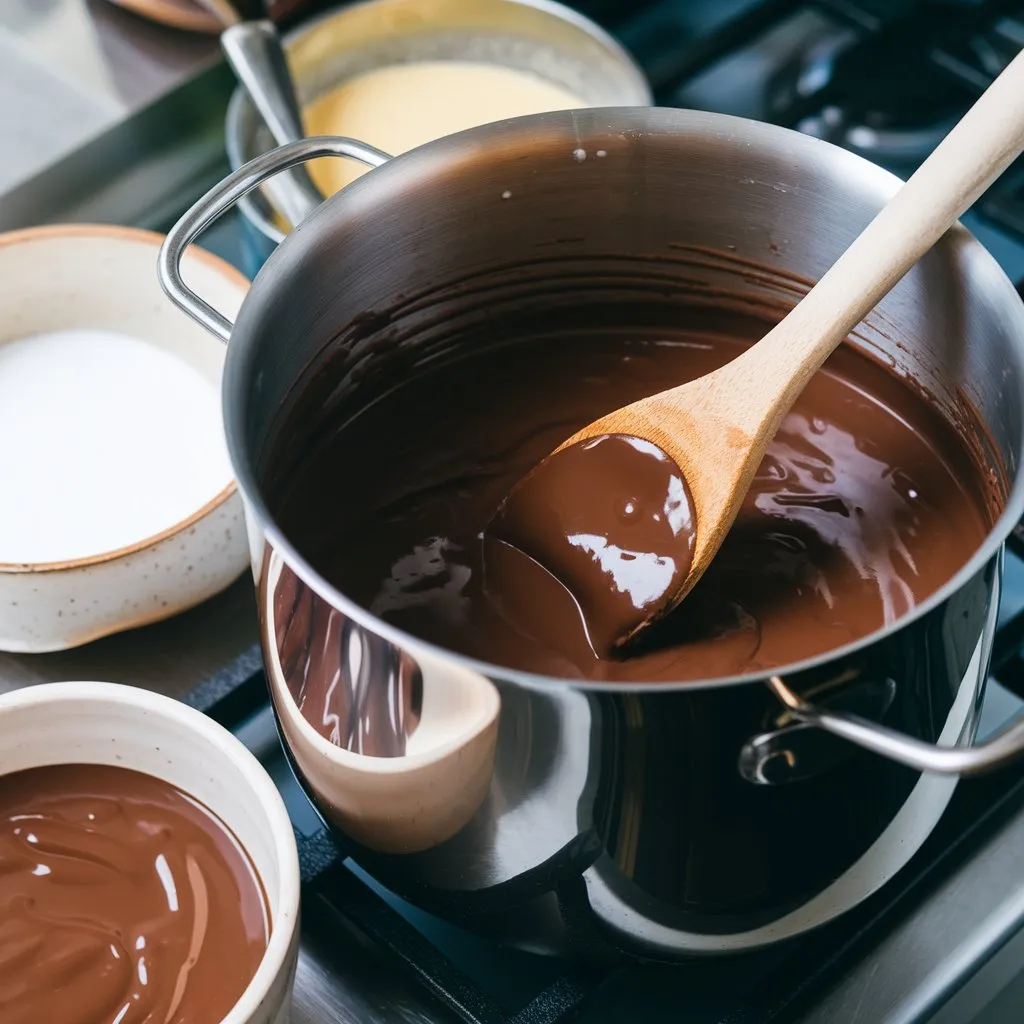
{"x": 119, "y": 503}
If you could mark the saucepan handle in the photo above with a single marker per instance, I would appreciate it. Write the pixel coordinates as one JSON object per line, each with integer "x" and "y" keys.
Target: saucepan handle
{"x": 1005, "y": 746}
{"x": 222, "y": 197}
{"x": 800, "y": 744}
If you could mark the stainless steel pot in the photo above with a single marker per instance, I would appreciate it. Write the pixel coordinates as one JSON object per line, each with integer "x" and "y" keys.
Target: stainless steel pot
{"x": 660, "y": 820}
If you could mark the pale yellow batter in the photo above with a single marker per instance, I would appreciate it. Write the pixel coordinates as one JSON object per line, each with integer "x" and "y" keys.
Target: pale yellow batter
{"x": 402, "y": 106}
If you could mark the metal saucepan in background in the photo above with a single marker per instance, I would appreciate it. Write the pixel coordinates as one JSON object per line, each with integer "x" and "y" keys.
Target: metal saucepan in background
{"x": 664, "y": 820}
{"x": 545, "y": 38}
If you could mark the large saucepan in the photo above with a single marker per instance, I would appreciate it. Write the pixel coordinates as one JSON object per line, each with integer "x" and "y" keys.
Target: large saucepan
{"x": 712, "y": 816}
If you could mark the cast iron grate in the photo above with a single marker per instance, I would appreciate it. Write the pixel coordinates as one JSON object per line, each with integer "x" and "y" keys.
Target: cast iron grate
{"x": 888, "y": 77}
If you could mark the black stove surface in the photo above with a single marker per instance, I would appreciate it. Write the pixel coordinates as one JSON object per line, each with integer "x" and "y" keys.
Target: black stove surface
{"x": 887, "y": 79}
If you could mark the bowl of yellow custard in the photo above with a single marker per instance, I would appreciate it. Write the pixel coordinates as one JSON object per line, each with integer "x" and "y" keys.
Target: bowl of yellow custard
{"x": 397, "y": 74}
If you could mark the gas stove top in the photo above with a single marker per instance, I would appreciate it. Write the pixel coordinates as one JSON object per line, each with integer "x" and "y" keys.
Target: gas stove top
{"x": 944, "y": 940}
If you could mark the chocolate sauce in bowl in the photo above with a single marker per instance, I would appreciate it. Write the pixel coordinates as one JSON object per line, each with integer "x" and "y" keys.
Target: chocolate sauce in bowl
{"x": 121, "y": 899}
{"x": 867, "y": 501}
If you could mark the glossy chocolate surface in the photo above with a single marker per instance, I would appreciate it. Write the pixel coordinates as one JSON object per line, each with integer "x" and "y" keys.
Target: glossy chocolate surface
{"x": 121, "y": 899}
{"x": 609, "y": 520}
{"x": 867, "y": 502}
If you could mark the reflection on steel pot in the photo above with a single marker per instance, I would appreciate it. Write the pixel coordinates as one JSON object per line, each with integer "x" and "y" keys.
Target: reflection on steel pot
{"x": 666, "y": 820}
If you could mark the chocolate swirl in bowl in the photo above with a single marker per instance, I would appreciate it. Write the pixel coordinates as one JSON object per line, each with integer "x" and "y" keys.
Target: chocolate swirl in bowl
{"x": 123, "y": 899}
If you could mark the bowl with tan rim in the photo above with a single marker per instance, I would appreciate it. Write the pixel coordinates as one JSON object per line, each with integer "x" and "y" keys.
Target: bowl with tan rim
{"x": 112, "y": 728}
{"x": 120, "y": 507}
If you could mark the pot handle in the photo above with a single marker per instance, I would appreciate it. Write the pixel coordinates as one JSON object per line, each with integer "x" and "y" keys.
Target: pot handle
{"x": 1005, "y": 746}
{"x": 222, "y": 197}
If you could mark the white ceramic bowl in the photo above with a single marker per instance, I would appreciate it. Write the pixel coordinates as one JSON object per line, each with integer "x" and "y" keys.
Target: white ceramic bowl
{"x": 124, "y": 726}
{"x": 101, "y": 278}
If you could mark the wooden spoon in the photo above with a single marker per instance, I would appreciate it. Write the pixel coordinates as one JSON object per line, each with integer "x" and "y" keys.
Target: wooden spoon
{"x": 717, "y": 428}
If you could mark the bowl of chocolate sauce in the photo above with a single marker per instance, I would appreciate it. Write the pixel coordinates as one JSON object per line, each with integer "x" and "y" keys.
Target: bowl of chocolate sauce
{"x": 149, "y": 867}
{"x": 754, "y": 767}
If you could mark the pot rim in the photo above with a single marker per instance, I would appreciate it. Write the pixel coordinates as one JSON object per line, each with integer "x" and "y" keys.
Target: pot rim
{"x": 682, "y": 123}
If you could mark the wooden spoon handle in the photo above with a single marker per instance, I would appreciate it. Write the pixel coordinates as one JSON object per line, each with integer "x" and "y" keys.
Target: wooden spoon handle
{"x": 966, "y": 162}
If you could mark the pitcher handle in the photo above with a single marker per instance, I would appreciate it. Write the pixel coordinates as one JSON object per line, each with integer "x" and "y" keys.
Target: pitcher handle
{"x": 222, "y": 197}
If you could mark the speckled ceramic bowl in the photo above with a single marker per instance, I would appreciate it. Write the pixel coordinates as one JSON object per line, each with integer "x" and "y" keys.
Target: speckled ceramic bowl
{"x": 99, "y": 277}
{"x": 125, "y": 726}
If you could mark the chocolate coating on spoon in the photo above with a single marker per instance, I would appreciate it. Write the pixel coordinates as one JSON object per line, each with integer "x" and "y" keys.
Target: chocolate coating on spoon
{"x": 611, "y": 519}
{"x": 121, "y": 899}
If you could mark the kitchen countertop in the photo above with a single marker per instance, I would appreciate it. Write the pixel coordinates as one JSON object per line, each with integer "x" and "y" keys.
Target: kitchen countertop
{"x": 71, "y": 70}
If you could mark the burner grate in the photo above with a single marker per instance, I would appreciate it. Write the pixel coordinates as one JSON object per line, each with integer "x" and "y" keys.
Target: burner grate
{"x": 342, "y": 899}
{"x": 1004, "y": 202}
{"x": 886, "y": 79}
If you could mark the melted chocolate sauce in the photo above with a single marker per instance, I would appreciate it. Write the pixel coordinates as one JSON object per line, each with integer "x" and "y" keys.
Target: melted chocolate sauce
{"x": 121, "y": 899}
{"x": 611, "y": 520}
{"x": 867, "y": 502}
